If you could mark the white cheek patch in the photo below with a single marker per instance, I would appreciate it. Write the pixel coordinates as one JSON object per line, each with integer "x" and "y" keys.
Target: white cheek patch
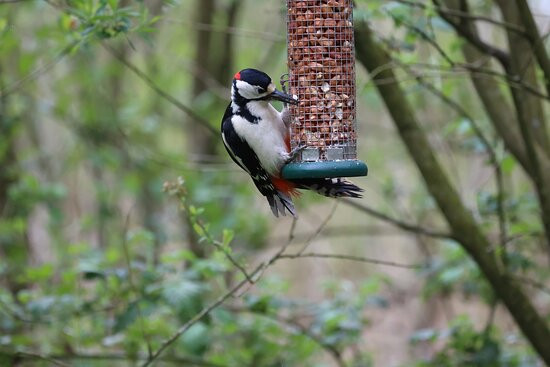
{"x": 246, "y": 90}
{"x": 249, "y": 91}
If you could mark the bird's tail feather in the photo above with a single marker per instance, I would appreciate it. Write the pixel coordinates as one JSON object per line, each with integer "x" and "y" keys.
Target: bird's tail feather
{"x": 279, "y": 202}
{"x": 330, "y": 187}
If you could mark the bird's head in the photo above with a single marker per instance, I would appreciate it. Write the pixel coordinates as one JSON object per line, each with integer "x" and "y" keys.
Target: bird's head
{"x": 252, "y": 84}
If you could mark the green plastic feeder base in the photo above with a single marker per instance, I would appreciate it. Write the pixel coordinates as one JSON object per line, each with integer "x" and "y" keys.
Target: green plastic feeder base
{"x": 325, "y": 169}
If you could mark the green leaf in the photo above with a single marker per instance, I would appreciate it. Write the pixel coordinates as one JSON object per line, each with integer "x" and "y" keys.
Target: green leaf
{"x": 199, "y": 230}
{"x": 228, "y": 235}
{"x": 424, "y": 335}
{"x": 39, "y": 273}
{"x": 126, "y": 317}
{"x": 258, "y": 304}
{"x": 452, "y": 275}
{"x": 197, "y": 339}
{"x": 140, "y": 236}
{"x": 93, "y": 275}
{"x": 508, "y": 164}
{"x": 113, "y": 4}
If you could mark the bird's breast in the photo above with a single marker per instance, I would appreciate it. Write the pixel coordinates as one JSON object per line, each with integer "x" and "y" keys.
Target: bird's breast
{"x": 265, "y": 138}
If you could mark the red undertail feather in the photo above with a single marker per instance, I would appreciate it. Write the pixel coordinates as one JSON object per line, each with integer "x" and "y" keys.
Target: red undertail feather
{"x": 285, "y": 186}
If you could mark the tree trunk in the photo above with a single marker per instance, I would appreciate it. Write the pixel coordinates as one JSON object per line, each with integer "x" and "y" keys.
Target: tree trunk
{"x": 463, "y": 226}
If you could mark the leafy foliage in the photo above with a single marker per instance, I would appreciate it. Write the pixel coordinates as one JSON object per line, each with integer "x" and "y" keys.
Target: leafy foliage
{"x": 102, "y": 264}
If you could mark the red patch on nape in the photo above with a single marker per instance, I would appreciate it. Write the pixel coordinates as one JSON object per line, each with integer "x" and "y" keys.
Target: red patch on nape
{"x": 285, "y": 186}
{"x": 237, "y": 76}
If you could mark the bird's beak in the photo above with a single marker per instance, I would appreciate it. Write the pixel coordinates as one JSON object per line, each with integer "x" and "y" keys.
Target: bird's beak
{"x": 283, "y": 97}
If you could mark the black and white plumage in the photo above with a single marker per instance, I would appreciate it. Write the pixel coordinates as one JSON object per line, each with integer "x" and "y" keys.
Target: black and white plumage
{"x": 256, "y": 137}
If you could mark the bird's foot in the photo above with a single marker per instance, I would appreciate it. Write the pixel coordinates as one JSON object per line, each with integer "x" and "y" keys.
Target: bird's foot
{"x": 284, "y": 80}
{"x": 294, "y": 153}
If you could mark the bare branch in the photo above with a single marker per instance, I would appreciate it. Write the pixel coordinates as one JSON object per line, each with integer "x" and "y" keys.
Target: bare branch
{"x": 488, "y": 147}
{"x": 205, "y": 311}
{"x": 464, "y": 227}
{"x": 512, "y": 82}
{"x": 38, "y": 72}
{"x": 291, "y": 233}
{"x": 533, "y": 283}
{"x": 464, "y": 29}
{"x": 536, "y": 40}
{"x": 398, "y": 223}
{"x": 296, "y": 326}
{"x": 255, "y": 274}
{"x": 320, "y": 228}
{"x": 2, "y": 2}
{"x": 31, "y": 355}
{"x": 464, "y": 15}
{"x": 266, "y": 36}
{"x": 195, "y": 116}
{"x": 126, "y": 253}
{"x": 180, "y": 361}
{"x": 352, "y": 258}
{"x": 472, "y": 69}
{"x": 426, "y": 37}
{"x": 219, "y": 247}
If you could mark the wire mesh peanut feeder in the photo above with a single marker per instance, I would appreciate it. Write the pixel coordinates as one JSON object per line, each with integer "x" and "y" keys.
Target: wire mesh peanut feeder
{"x": 321, "y": 63}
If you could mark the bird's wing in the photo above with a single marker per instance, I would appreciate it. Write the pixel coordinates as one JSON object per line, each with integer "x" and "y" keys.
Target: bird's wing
{"x": 246, "y": 158}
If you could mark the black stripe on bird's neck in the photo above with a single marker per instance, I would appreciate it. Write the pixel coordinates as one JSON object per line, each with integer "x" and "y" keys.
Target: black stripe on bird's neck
{"x": 241, "y": 105}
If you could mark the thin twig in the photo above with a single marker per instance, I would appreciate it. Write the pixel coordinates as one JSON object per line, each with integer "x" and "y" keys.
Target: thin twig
{"x": 15, "y": 314}
{"x": 459, "y": 68}
{"x": 126, "y": 252}
{"x": 291, "y": 234}
{"x": 464, "y": 15}
{"x": 533, "y": 283}
{"x": 266, "y": 36}
{"x": 31, "y": 355}
{"x": 477, "y": 71}
{"x": 426, "y": 37}
{"x": 398, "y": 223}
{"x": 463, "y": 29}
{"x": 491, "y": 318}
{"x": 157, "y": 89}
{"x": 320, "y": 228}
{"x": 297, "y": 327}
{"x": 488, "y": 147}
{"x": 255, "y": 274}
{"x": 205, "y": 311}
{"x": 221, "y": 248}
{"x": 181, "y": 361}
{"x": 352, "y": 258}
{"x": 2, "y": 2}
{"x": 344, "y": 231}
{"x": 537, "y": 43}
{"x": 41, "y": 70}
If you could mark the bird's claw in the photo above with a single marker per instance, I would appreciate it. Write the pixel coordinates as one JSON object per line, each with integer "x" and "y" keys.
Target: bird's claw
{"x": 294, "y": 153}
{"x": 283, "y": 81}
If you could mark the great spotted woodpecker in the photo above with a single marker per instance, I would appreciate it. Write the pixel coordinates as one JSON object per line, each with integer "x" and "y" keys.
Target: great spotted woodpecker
{"x": 257, "y": 138}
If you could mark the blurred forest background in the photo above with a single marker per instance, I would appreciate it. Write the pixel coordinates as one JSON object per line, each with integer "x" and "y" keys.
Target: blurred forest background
{"x": 128, "y": 237}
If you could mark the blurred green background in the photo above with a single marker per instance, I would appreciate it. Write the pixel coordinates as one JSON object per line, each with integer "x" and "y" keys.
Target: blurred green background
{"x": 105, "y": 253}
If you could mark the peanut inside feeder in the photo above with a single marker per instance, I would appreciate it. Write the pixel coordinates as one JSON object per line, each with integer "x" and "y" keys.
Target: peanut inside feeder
{"x": 321, "y": 64}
